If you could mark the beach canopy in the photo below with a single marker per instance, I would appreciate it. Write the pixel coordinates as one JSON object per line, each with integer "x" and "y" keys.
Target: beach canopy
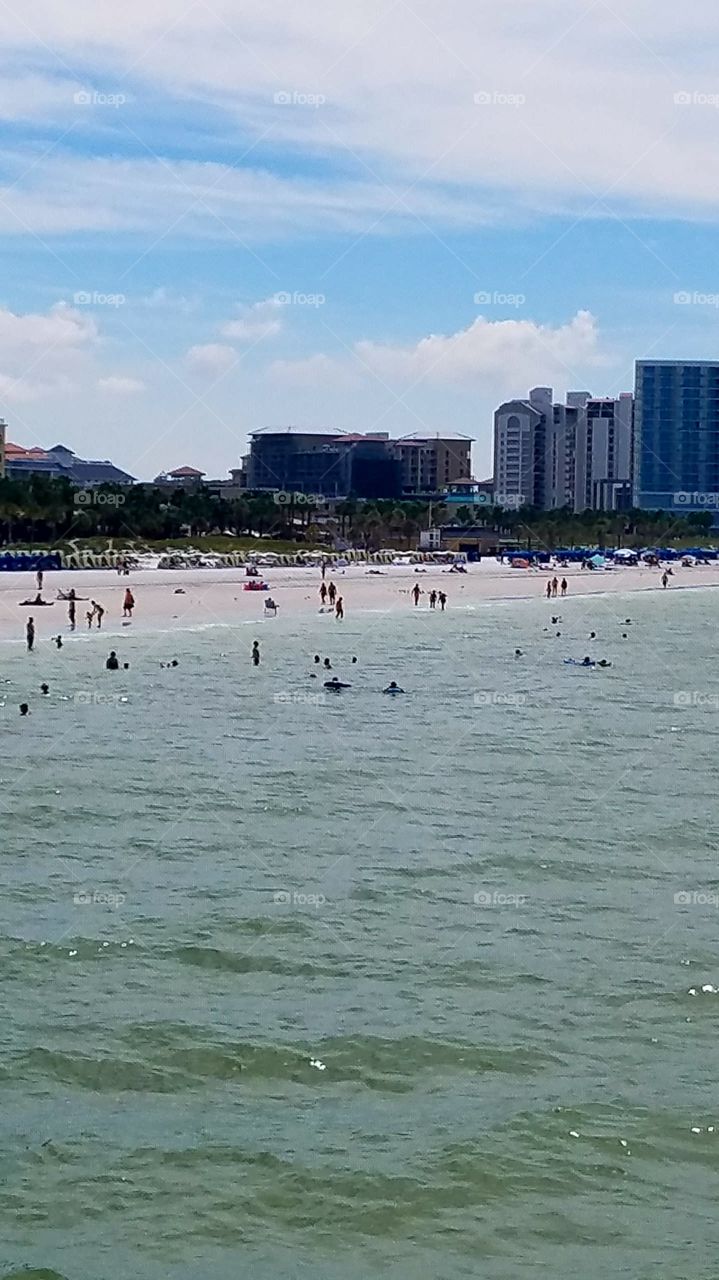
{"x": 598, "y": 561}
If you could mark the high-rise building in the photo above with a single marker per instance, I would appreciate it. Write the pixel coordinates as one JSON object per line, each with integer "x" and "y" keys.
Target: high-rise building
{"x": 676, "y": 448}
{"x": 3, "y": 434}
{"x": 575, "y": 455}
{"x": 430, "y": 463}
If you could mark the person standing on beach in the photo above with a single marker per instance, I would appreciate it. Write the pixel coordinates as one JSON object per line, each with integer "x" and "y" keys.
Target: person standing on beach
{"x": 548, "y": 592}
{"x": 128, "y": 604}
{"x": 323, "y": 590}
{"x": 563, "y": 587}
{"x": 339, "y": 609}
{"x": 38, "y": 579}
{"x": 71, "y": 613}
{"x": 98, "y": 612}
{"x": 555, "y": 584}
{"x": 332, "y": 592}
{"x": 665, "y": 579}
{"x": 255, "y": 653}
{"x": 324, "y": 570}
{"x": 89, "y": 614}
{"x": 442, "y": 600}
{"x": 432, "y": 599}
{"x": 30, "y": 634}
{"x": 416, "y": 593}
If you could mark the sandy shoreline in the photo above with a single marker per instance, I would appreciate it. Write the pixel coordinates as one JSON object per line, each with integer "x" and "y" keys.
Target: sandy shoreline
{"x": 216, "y": 596}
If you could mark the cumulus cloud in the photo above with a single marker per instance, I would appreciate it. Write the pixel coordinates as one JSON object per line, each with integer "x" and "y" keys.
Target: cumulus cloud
{"x": 43, "y": 353}
{"x": 210, "y": 358}
{"x": 118, "y": 385}
{"x": 261, "y": 320}
{"x": 487, "y": 351}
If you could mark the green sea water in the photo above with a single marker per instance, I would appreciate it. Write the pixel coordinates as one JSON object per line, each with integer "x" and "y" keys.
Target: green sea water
{"x": 297, "y": 984}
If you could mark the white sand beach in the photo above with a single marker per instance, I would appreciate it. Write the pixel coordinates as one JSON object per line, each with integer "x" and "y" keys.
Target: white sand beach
{"x": 170, "y": 600}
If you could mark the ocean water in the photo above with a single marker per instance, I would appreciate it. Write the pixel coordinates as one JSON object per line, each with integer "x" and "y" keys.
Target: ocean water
{"x": 336, "y": 986}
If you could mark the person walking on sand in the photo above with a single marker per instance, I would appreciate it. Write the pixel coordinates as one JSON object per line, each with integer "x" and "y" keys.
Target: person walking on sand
{"x": 442, "y": 600}
{"x": 255, "y": 653}
{"x": 416, "y": 593}
{"x": 323, "y": 591}
{"x": 71, "y": 613}
{"x": 30, "y": 634}
{"x": 339, "y": 609}
{"x": 563, "y": 587}
{"x": 432, "y": 599}
{"x": 332, "y": 592}
{"x": 128, "y": 603}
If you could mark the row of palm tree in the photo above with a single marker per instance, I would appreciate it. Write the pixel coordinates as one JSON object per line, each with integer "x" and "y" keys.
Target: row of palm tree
{"x": 41, "y": 509}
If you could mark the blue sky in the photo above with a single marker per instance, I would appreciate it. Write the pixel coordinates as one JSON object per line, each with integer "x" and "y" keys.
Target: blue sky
{"x": 220, "y": 216}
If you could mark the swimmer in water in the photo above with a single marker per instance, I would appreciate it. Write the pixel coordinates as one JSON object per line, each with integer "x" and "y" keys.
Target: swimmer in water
{"x": 393, "y": 687}
{"x": 58, "y": 642}
{"x": 587, "y": 662}
{"x": 353, "y": 661}
{"x": 24, "y": 709}
{"x": 604, "y": 663}
{"x": 112, "y": 663}
{"x": 518, "y": 653}
{"x": 256, "y": 653}
{"x": 327, "y": 664}
{"x": 45, "y": 689}
{"x": 592, "y": 635}
{"x": 317, "y": 659}
{"x": 334, "y": 683}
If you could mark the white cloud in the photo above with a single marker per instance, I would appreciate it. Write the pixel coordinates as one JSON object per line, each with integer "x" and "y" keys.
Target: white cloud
{"x": 261, "y": 320}
{"x": 120, "y": 386}
{"x": 212, "y": 358}
{"x": 487, "y": 351}
{"x": 43, "y": 353}
{"x": 316, "y": 371}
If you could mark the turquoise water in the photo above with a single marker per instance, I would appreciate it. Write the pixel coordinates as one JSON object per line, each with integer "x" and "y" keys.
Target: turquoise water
{"x": 459, "y": 903}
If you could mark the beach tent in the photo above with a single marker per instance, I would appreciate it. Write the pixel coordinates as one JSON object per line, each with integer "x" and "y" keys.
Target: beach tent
{"x": 597, "y": 561}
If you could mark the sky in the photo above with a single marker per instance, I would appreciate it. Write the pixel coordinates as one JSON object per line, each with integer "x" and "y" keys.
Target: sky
{"x": 381, "y": 216}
